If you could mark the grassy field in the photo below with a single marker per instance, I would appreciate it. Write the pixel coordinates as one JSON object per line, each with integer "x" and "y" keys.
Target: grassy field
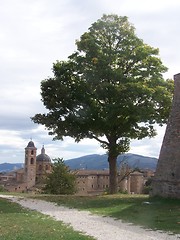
{"x": 154, "y": 213}
{"x": 17, "y": 223}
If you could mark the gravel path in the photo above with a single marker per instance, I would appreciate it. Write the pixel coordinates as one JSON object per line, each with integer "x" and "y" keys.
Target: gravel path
{"x": 102, "y": 228}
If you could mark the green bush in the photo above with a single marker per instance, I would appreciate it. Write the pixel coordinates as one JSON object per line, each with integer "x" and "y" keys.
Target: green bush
{"x": 147, "y": 189}
{"x": 61, "y": 180}
{"x": 2, "y": 189}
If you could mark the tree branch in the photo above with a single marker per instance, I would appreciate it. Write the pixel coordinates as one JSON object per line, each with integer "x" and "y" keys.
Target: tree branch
{"x": 99, "y": 140}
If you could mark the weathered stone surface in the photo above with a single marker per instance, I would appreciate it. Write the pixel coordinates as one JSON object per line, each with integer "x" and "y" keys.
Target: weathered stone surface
{"x": 166, "y": 182}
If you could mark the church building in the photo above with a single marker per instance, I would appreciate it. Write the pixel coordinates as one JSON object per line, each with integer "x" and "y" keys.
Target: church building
{"x": 35, "y": 169}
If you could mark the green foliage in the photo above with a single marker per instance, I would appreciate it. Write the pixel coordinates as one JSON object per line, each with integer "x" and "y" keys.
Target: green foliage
{"x": 17, "y": 223}
{"x": 148, "y": 182}
{"x": 147, "y": 189}
{"x": 61, "y": 180}
{"x": 111, "y": 87}
{"x": 2, "y": 189}
{"x": 123, "y": 192}
{"x": 148, "y": 186}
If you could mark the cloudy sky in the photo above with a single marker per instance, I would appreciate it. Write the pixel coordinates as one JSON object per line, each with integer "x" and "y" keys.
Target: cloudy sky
{"x": 36, "y": 33}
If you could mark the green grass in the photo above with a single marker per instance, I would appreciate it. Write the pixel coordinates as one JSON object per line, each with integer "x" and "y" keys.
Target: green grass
{"x": 17, "y": 223}
{"x": 154, "y": 213}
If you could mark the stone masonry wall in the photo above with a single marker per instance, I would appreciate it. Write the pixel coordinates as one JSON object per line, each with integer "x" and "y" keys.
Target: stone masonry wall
{"x": 167, "y": 178}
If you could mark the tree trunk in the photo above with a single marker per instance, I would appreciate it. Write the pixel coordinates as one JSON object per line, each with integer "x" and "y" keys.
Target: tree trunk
{"x": 112, "y": 173}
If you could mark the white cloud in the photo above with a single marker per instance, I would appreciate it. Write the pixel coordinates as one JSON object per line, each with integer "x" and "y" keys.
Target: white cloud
{"x": 139, "y": 6}
{"x": 36, "y": 33}
{"x": 149, "y": 147}
{"x": 11, "y": 139}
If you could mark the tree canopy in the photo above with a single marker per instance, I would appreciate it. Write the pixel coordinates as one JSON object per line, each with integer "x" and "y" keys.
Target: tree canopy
{"x": 61, "y": 180}
{"x": 110, "y": 89}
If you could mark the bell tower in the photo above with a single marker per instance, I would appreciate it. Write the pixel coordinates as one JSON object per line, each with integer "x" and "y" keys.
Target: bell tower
{"x": 30, "y": 164}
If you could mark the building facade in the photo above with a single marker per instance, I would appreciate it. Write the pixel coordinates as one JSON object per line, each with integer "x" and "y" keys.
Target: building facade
{"x": 36, "y": 168}
{"x": 96, "y": 182}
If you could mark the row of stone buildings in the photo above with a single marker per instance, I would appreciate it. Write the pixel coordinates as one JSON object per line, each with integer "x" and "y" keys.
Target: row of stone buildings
{"x": 36, "y": 167}
{"x": 93, "y": 182}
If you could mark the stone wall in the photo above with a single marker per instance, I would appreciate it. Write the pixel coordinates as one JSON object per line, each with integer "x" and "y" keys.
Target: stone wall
{"x": 136, "y": 182}
{"x": 92, "y": 181}
{"x": 166, "y": 182}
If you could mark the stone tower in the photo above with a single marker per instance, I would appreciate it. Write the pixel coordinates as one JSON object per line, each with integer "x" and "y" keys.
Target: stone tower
{"x": 166, "y": 182}
{"x": 30, "y": 164}
{"x": 43, "y": 166}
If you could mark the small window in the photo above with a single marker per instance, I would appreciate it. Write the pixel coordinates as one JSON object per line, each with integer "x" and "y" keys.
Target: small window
{"x": 32, "y": 160}
{"x": 32, "y": 152}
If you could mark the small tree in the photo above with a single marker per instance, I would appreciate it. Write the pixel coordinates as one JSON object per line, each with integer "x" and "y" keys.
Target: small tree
{"x": 111, "y": 90}
{"x": 2, "y": 189}
{"x": 61, "y": 180}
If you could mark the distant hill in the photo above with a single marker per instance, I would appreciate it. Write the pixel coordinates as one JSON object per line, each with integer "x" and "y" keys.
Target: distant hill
{"x": 8, "y": 167}
{"x": 98, "y": 162}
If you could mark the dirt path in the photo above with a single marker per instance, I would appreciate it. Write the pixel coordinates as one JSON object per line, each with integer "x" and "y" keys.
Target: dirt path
{"x": 102, "y": 228}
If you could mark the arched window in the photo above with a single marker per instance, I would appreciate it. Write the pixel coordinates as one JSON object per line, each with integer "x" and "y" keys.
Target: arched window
{"x": 47, "y": 167}
{"x": 32, "y": 160}
{"x": 32, "y": 152}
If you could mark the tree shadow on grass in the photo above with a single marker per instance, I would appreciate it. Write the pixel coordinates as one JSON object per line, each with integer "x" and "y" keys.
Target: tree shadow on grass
{"x": 154, "y": 213}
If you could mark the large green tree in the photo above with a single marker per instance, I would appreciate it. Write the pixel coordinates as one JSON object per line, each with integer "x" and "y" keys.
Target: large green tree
{"x": 111, "y": 90}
